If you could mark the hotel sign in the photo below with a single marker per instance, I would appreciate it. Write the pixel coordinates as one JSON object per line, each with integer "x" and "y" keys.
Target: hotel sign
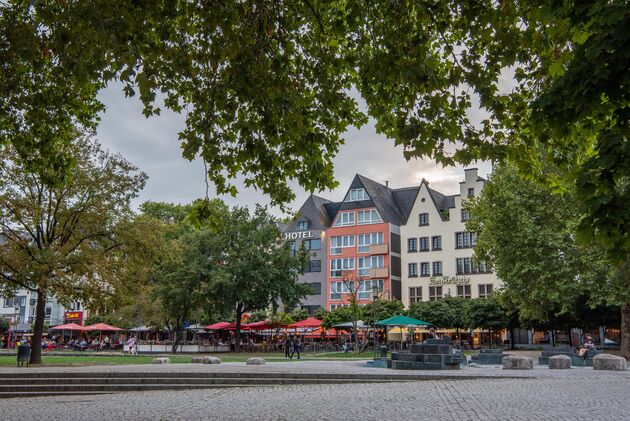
{"x": 298, "y": 235}
{"x": 454, "y": 280}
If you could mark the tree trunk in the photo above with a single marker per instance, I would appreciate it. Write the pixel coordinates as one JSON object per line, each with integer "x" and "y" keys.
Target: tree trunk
{"x": 625, "y": 331}
{"x": 237, "y": 332}
{"x": 38, "y": 329}
{"x": 176, "y": 340}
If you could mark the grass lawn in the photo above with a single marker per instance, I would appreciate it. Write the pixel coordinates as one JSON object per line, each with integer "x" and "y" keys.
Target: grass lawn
{"x": 95, "y": 359}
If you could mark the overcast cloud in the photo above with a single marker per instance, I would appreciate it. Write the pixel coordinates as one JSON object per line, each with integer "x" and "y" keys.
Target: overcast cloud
{"x": 153, "y": 145}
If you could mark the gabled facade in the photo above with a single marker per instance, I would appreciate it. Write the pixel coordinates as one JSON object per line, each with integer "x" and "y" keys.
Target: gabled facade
{"x": 308, "y": 229}
{"x": 437, "y": 256}
{"x": 364, "y": 242}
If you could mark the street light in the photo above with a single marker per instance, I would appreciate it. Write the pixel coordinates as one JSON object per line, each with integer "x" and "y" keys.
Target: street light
{"x": 375, "y": 298}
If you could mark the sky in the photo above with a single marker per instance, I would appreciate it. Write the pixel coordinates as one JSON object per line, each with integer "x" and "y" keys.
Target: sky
{"x": 153, "y": 146}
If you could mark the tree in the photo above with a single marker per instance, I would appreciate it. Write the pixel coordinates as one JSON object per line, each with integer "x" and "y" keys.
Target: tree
{"x": 247, "y": 265}
{"x": 384, "y": 310}
{"x": 62, "y": 240}
{"x": 526, "y": 232}
{"x": 445, "y": 314}
{"x": 274, "y": 79}
{"x": 485, "y": 313}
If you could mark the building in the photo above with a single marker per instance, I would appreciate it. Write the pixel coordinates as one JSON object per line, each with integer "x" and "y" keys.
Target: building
{"x": 437, "y": 259}
{"x": 308, "y": 229}
{"x": 411, "y": 243}
{"x": 364, "y": 242}
{"x": 21, "y": 310}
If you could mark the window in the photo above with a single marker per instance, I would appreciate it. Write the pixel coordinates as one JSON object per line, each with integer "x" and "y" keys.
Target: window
{"x": 436, "y": 242}
{"x": 471, "y": 192}
{"x": 366, "y": 240}
{"x": 415, "y": 295}
{"x": 344, "y": 219}
{"x": 334, "y": 306}
{"x": 463, "y": 291}
{"x": 339, "y": 242}
{"x": 337, "y": 266}
{"x": 336, "y": 289}
{"x": 302, "y": 225}
{"x": 356, "y": 195}
{"x": 437, "y": 268}
{"x": 412, "y": 245}
{"x": 369, "y": 217}
{"x": 424, "y": 219}
{"x": 466, "y": 265}
{"x": 465, "y": 240}
{"x": 316, "y": 288}
{"x": 313, "y": 266}
{"x": 48, "y": 313}
{"x": 366, "y": 287}
{"x": 435, "y": 293}
{"x": 465, "y": 215}
{"x": 311, "y": 309}
{"x": 366, "y": 263}
{"x": 292, "y": 248}
{"x": 413, "y": 270}
{"x": 425, "y": 269}
{"x": 315, "y": 244}
{"x": 485, "y": 290}
{"x": 424, "y": 243}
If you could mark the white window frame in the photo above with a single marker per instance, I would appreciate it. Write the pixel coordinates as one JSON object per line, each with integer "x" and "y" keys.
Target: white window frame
{"x": 364, "y": 264}
{"x": 374, "y": 238}
{"x": 339, "y": 265}
{"x": 355, "y": 195}
{"x": 365, "y": 288}
{"x": 344, "y": 219}
{"x": 373, "y": 217}
{"x": 339, "y": 242}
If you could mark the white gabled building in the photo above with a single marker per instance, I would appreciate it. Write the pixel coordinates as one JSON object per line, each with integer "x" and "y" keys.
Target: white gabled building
{"x": 437, "y": 250}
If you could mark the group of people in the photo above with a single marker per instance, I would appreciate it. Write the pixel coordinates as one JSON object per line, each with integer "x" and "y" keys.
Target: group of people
{"x": 292, "y": 346}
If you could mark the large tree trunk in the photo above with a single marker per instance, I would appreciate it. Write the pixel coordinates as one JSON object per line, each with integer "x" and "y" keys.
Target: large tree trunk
{"x": 237, "y": 332}
{"x": 38, "y": 329}
{"x": 625, "y": 331}
{"x": 176, "y": 339}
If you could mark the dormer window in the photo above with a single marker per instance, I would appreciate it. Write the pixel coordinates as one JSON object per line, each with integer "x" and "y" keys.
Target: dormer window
{"x": 354, "y": 195}
{"x": 302, "y": 225}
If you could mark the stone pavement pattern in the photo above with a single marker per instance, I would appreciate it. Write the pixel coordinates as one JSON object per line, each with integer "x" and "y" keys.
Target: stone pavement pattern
{"x": 578, "y": 393}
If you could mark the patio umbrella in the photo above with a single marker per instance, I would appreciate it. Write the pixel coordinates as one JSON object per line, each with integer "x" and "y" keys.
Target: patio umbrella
{"x": 306, "y": 323}
{"x": 349, "y": 325}
{"x": 72, "y": 327}
{"x": 102, "y": 327}
{"x": 218, "y": 326}
{"x": 401, "y": 321}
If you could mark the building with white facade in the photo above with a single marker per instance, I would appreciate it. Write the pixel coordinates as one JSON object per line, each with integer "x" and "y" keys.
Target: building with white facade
{"x": 20, "y": 309}
{"x": 437, "y": 251}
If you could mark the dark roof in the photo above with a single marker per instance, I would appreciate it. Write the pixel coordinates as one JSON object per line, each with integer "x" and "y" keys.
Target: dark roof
{"x": 405, "y": 199}
{"x": 314, "y": 211}
{"x": 442, "y": 202}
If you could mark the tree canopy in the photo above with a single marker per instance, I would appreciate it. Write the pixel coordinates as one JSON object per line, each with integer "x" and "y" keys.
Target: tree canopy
{"x": 65, "y": 240}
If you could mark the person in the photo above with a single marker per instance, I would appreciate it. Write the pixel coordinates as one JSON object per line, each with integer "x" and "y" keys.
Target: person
{"x": 432, "y": 333}
{"x": 296, "y": 347}
{"x": 588, "y": 344}
{"x": 288, "y": 344}
{"x": 131, "y": 344}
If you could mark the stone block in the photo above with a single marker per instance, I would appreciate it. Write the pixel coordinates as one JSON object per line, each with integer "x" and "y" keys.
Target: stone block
{"x": 206, "y": 360}
{"x": 161, "y": 360}
{"x": 517, "y": 362}
{"x": 559, "y": 362}
{"x": 256, "y": 361}
{"x": 609, "y": 362}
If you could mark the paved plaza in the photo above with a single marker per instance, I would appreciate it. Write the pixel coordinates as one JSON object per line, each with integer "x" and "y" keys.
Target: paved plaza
{"x": 474, "y": 393}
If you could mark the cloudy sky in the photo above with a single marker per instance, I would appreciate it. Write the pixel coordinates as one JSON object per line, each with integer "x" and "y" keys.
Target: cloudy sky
{"x": 152, "y": 144}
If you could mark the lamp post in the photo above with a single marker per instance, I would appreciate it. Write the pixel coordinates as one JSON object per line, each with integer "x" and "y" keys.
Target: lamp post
{"x": 375, "y": 298}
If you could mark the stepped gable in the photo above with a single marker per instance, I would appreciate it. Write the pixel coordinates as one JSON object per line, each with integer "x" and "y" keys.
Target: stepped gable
{"x": 441, "y": 201}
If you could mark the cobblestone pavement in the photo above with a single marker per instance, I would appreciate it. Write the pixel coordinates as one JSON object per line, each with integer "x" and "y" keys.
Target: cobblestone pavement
{"x": 579, "y": 393}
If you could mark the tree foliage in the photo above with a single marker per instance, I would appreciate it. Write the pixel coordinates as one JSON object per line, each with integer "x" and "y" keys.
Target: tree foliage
{"x": 65, "y": 240}
{"x": 445, "y": 314}
{"x": 527, "y": 232}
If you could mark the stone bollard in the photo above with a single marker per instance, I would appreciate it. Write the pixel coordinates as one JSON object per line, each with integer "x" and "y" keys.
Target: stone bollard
{"x": 161, "y": 360}
{"x": 609, "y": 362}
{"x": 559, "y": 362}
{"x": 198, "y": 360}
{"x": 256, "y": 361}
{"x": 516, "y": 362}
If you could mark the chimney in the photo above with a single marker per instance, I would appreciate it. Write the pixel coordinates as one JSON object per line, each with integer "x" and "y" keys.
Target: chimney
{"x": 386, "y": 183}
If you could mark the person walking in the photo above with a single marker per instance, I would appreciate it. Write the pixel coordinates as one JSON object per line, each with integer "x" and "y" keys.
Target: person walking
{"x": 288, "y": 344}
{"x": 131, "y": 346}
{"x": 296, "y": 347}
